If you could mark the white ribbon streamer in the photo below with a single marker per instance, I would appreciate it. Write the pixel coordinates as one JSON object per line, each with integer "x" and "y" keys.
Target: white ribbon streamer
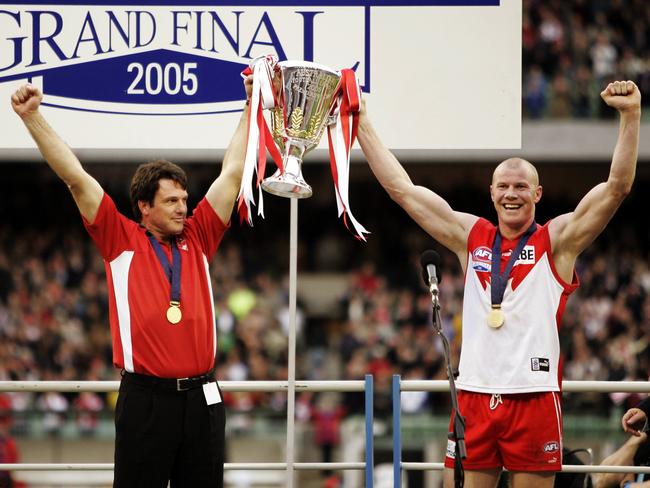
{"x": 262, "y": 92}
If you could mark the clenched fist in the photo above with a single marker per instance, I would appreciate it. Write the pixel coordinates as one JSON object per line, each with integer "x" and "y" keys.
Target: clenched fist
{"x": 622, "y": 95}
{"x": 26, "y": 100}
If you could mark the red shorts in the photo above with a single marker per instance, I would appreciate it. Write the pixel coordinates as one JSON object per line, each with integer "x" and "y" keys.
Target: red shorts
{"x": 521, "y": 432}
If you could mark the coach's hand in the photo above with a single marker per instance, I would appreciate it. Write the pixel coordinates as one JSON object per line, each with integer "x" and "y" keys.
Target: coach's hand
{"x": 633, "y": 421}
{"x": 248, "y": 86}
{"x": 26, "y": 100}
{"x": 362, "y": 107}
{"x": 624, "y": 96}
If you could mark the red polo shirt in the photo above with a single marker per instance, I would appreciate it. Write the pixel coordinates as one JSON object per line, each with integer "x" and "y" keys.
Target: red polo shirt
{"x": 139, "y": 293}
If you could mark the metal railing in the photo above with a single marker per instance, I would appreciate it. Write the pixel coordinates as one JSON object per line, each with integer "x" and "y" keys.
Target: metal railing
{"x": 366, "y": 386}
{"x": 399, "y": 385}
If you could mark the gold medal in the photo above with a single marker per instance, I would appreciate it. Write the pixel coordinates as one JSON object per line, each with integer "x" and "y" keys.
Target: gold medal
{"x": 496, "y": 317}
{"x": 174, "y": 314}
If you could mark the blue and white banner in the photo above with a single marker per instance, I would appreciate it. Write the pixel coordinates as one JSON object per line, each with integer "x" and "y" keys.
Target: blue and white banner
{"x": 165, "y": 75}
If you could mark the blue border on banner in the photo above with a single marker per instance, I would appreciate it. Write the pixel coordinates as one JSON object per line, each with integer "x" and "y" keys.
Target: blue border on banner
{"x": 365, "y": 4}
{"x": 157, "y": 114}
{"x": 272, "y": 3}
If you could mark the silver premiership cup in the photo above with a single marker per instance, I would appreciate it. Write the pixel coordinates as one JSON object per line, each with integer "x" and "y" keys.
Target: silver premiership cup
{"x": 297, "y": 124}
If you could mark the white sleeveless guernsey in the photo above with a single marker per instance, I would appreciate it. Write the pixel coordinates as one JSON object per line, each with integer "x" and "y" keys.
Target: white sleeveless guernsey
{"x": 523, "y": 355}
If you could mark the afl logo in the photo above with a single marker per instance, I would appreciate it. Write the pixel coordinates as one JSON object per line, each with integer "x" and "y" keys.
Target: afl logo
{"x": 551, "y": 446}
{"x": 482, "y": 259}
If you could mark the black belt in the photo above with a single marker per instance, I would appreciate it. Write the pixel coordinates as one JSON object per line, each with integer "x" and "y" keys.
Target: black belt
{"x": 170, "y": 384}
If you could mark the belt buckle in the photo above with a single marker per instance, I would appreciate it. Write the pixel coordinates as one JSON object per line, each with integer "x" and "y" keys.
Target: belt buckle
{"x": 178, "y": 384}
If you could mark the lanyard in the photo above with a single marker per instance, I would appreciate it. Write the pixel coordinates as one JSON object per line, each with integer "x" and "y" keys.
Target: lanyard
{"x": 172, "y": 270}
{"x": 500, "y": 280}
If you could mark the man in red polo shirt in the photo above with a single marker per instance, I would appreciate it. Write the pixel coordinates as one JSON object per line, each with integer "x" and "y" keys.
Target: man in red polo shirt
{"x": 169, "y": 419}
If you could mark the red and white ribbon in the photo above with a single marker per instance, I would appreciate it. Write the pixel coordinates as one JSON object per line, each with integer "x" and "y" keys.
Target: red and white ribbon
{"x": 341, "y": 136}
{"x": 259, "y": 136}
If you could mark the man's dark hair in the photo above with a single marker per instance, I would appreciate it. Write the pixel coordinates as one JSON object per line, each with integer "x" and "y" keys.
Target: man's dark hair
{"x": 144, "y": 183}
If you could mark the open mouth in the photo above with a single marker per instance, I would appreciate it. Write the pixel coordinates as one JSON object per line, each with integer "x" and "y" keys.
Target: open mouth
{"x": 511, "y": 206}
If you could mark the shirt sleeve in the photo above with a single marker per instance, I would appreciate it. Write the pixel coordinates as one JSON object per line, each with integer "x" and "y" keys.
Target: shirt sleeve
{"x": 207, "y": 227}
{"x": 110, "y": 230}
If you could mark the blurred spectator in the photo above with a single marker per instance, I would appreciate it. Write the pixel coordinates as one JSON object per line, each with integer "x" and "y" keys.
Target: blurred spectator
{"x": 54, "y": 407}
{"x": 88, "y": 406}
{"x": 326, "y": 415}
{"x": 560, "y": 98}
{"x": 8, "y": 448}
{"x": 535, "y": 92}
{"x": 603, "y": 58}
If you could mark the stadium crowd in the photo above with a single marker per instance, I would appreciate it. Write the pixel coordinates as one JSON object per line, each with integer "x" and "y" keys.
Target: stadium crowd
{"x": 53, "y": 320}
{"x": 572, "y": 49}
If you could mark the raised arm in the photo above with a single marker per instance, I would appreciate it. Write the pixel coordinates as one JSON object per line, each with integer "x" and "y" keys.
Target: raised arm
{"x": 429, "y": 210}
{"x": 222, "y": 193}
{"x": 623, "y": 456}
{"x": 86, "y": 191}
{"x": 573, "y": 232}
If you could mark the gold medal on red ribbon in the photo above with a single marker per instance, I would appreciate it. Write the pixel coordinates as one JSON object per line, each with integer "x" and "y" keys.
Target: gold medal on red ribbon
{"x": 174, "y": 314}
{"x": 496, "y": 318}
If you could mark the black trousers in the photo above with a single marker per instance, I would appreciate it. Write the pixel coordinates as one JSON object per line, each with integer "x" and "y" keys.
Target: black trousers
{"x": 163, "y": 435}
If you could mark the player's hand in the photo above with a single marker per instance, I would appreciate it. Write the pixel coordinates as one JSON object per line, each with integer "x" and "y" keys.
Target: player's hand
{"x": 248, "y": 86}
{"x": 362, "y": 106}
{"x": 26, "y": 100}
{"x": 622, "y": 95}
{"x": 633, "y": 421}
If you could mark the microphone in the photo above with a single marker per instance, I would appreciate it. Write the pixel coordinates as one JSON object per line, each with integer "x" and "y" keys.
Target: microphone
{"x": 430, "y": 261}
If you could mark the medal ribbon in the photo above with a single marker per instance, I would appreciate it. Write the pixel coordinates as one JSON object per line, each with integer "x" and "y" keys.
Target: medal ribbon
{"x": 498, "y": 280}
{"x": 172, "y": 270}
{"x": 341, "y": 136}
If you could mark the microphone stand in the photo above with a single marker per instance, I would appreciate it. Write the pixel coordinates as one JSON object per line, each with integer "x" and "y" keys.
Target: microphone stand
{"x": 458, "y": 432}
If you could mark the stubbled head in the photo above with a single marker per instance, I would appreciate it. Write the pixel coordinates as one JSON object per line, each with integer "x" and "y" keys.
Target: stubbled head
{"x": 515, "y": 190}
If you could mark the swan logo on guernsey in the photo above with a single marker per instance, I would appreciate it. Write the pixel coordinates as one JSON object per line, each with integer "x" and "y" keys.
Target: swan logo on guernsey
{"x": 482, "y": 259}
{"x": 174, "y": 57}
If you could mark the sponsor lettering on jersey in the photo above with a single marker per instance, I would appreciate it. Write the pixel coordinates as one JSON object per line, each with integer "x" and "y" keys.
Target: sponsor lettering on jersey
{"x": 482, "y": 259}
{"x": 527, "y": 255}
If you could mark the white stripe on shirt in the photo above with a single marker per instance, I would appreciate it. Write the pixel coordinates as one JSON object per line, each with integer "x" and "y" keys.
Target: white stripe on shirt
{"x": 120, "y": 270}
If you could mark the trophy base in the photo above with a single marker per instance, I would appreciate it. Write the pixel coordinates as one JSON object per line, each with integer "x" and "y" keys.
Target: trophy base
{"x": 287, "y": 185}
